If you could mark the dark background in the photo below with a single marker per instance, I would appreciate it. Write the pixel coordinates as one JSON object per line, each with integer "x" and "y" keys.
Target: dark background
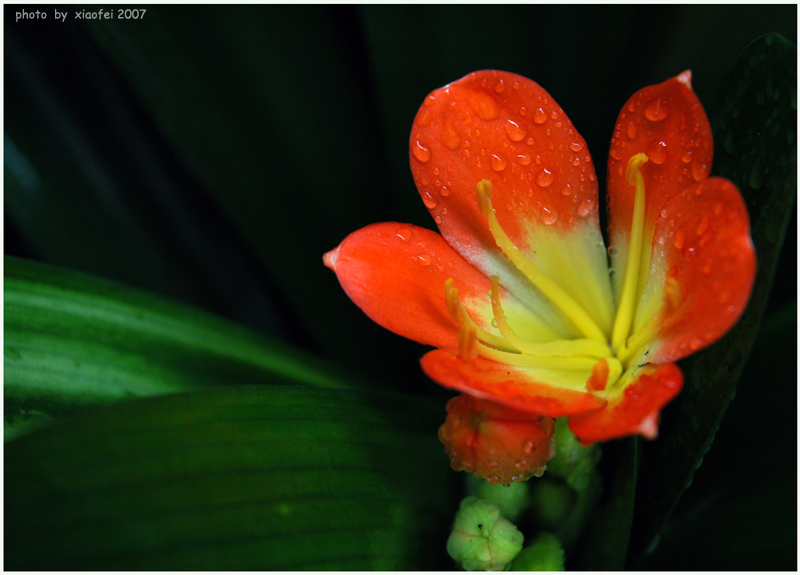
{"x": 213, "y": 154}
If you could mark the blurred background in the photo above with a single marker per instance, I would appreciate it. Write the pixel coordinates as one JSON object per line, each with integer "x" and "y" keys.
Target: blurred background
{"x": 212, "y": 154}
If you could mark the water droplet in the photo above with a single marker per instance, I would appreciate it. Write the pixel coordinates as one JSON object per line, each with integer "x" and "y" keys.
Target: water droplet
{"x": 438, "y": 220}
{"x": 445, "y": 192}
{"x": 585, "y": 208}
{"x": 539, "y": 116}
{"x": 430, "y": 100}
{"x": 429, "y": 201}
{"x": 566, "y": 190}
{"x": 420, "y": 152}
{"x": 483, "y": 105}
{"x": 424, "y": 117}
{"x": 450, "y": 137}
{"x": 528, "y": 447}
{"x": 616, "y": 154}
{"x": 404, "y": 234}
{"x": 498, "y": 163}
{"x": 425, "y": 259}
{"x": 689, "y": 252}
{"x": 703, "y": 227}
{"x": 548, "y": 217}
{"x": 657, "y": 151}
{"x": 700, "y": 171}
{"x": 656, "y": 110}
{"x": 680, "y": 238}
{"x": 554, "y": 114}
{"x": 515, "y": 132}
{"x": 545, "y": 178}
{"x": 524, "y": 159}
{"x": 613, "y": 252}
{"x": 500, "y": 87}
{"x": 576, "y": 146}
{"x": 687, "y": 157}
{"x": 633, "y": 130}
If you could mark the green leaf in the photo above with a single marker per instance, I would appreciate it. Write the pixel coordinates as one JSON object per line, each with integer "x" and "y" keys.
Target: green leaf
{"x": 73, "y": 341}
{"x": 754, "y": 119}
{"x": 254, "y": 477}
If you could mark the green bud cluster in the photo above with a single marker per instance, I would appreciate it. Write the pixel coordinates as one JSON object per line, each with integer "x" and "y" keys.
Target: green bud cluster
{"x": 482, "y": 539}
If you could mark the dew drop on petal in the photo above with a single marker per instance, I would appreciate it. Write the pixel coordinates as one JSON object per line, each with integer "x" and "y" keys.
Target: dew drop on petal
{"x": 429, "y": 201}
{"x": 657, "y": 151}
{"x": 576, "y": 146}
{"x": 539, "y": 116}
{"x": 585, "y": 208}
{"x": 656, "y": 110}
{"x": 567, "y": 190}
{"x": 404, "y": 234}
{"x": 524, "y": 159}
{"x": 700, "y": 171}
{"x": 498, "y": 163}
{"x": 545, "y": 178}
{"x": 514, "y": 131}
{"x": 680, "y": 238}
{"x": 633, "y": 130}
{"x": 424, "y": 259}
{"x": 549, "y": 217}
{"x": 420, "y": 152}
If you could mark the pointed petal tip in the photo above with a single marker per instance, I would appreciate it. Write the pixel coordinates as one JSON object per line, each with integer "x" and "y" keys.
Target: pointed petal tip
{"x": 329, "y": 259}
{"x": 685, "y": 77}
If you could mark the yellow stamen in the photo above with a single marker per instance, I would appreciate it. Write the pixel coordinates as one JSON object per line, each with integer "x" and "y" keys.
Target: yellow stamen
{"x": 466, "y": 341}
{"x": 574, "y": 312}
{"x": 630, "y": 286}
{"x": 561, "y": 347}
{"x": 459, "y": 315}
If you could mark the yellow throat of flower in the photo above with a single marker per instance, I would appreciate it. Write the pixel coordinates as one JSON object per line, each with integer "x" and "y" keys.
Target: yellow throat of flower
{"x": 606, "y": 355}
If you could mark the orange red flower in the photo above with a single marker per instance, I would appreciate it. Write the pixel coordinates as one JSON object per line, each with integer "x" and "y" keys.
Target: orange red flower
{"x": 525, "y": 306}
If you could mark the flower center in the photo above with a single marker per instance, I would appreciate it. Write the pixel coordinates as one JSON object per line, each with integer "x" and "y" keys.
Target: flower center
{"x": 606, "y": 355}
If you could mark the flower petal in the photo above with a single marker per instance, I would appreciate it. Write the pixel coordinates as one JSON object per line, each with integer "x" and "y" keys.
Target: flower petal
{"x": 496, "y": 442}
{"x": 396, "y": 273}
{"x": 667, "y": 122}
{"x": 546, "y": 391}
{"x": 633, "y": 408}
{"x": 703, "y": 269}
{"x": 504, "y": 128}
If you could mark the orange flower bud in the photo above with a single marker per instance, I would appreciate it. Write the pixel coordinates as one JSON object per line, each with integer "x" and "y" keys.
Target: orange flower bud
{"x": 495, "y": 442}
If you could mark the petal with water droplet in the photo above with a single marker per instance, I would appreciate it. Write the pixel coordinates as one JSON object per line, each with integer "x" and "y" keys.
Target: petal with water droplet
{"x": 709, "y": 254}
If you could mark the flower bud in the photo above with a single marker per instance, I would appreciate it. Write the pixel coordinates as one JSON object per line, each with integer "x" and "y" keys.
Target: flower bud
{"x": 544, "y": 554}
{"x": 482, "y": 539}
{"x": 496, "y": 442}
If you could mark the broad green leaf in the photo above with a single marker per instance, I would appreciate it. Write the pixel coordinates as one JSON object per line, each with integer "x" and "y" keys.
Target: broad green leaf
{"x": 238, "y": 478}
{"x": 73, "y": 341}
{"x": 754, "y": 122}
{"x": 89, "y": 184}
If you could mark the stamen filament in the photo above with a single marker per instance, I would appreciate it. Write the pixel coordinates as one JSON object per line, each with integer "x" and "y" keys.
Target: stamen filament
{"x": 630, "y": 291}
{"x": 569, "y": 363}
{"x": 459, "y": 314}
{"x": 568, "y": 306}
{"x": 562, "y": 347}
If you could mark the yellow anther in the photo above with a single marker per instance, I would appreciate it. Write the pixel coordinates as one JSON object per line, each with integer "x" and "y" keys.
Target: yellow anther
{"x": 466, "y": 340}
{"x": 633, "y": 267}
{"x": 483, "y": 192}
{"x": 452, "y": 301}
{"x": 632, "y": 173}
